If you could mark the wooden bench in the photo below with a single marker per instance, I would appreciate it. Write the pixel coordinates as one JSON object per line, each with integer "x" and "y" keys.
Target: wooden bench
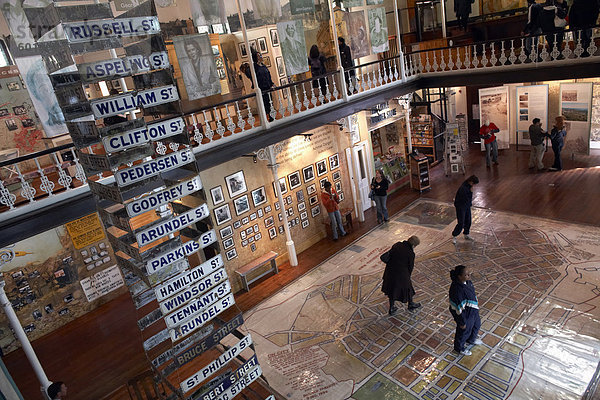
{"x": 245, "y": 270}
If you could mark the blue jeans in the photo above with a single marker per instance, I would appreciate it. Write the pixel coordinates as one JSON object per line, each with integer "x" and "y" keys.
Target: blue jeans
{"x": 557, "y": 160}
{"x": 469, "y": 334}
{"x": 336, "y": 221}
{"x": 380, "y": 204}
{"x": 493, "y": 147}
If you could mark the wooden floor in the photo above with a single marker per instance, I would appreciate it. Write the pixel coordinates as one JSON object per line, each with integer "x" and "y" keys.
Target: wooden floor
{"x": 99, "y": 352}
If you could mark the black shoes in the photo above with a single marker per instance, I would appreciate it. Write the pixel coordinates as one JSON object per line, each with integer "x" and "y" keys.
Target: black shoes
{"x": 412, "y": 306}
{"x": 393, "y": 310}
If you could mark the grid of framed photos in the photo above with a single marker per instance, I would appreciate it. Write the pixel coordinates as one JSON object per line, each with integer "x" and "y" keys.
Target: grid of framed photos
{"x": 253, "y": 213}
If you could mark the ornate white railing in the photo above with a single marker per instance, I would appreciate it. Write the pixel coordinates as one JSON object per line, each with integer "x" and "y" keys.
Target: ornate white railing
{"x": 558, "y": 47}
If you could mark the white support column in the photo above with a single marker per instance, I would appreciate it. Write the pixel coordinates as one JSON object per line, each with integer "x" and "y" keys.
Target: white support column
{"x": 408, "y": 133}
{"x": 337, "y": 53}
{"x": 352, "y": 127}
{"x": 399, "y": 40}
{"x": 443, "y": 4}
{"x": 269, "y": 154}
{"x": 259, "y": 103}
{"x": 22, "y": 337}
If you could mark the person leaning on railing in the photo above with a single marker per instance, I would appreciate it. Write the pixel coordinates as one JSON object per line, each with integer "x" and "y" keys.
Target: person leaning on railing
{"x": 263, "y": 77}
{"x": 583, "y": 15}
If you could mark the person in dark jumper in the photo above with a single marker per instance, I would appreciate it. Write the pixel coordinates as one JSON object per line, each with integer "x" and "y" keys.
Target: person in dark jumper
{"x": 557, "y": 137}
{"x": 397, "y": 284}
{"x": 379, "y": 186}
{"x": 462, "y": 203}
{"x": 263, "y": 77}
{"x": 464, "y": 309}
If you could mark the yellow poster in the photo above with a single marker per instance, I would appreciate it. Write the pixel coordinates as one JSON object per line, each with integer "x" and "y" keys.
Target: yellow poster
{"x": 85, "y": 231}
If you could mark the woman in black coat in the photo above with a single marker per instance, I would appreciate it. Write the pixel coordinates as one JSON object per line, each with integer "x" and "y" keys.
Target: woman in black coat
{"x": 396, "y": 277}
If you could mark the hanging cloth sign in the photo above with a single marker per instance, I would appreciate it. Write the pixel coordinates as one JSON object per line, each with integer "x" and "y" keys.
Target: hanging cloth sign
{"x": 114, "y": 105}
{"x": 88, "y": 31}
{"x": 135, "y": 137}
{"x": 216, "y": 365}
{"x": 181, "y": 282}
{"x": 197, "y": 322}
{"x": 153, "y": 167}
{"x": 121, "y": 67}
{"x": 172, "y": 225}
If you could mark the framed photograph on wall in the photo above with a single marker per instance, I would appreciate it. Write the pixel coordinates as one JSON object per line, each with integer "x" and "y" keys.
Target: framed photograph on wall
{"x": 251, "y": 239}
{"x": 322, "y": 182}
{"x": 311, "y": 189}
{"x": 308, "y": 173}
{"x": 244, "y": 243}
{"x": 241, "y": 204}
{"x": 260, "y": 213}
{"x": 282, "y": 186}
{"x": 228, "y": 243}
{"x": 301, "y": 206}
{"x": 338, "y": 186}
{"x": 269, "y": 222}
{"x": 243, "y": 235}
{"x": 243, "y": 50}
{"x": 304, "y": 223}
{"x": 281, "y": 229}
{"x": 334, "y": 162}
{"x": 272, "y": 233}
{"x": 300, "y": 195}
{"x": 283, "y": 81}
{"x": 225, "y": 232}
{"x": 259, "y": 196}
{"x": 253, "y": 45}
{"x": 253, "y": 216}
{"x": 303, "y": 215}
{"x": 313, "y": 200}
{"x": 341, "y": 196}
{"x": 236, "y": 184}
{"x": 258, "y": 236}
{"x": 274, "y": 37}
{"x": 277, "y": 206}
{"x": 294, "y": 180}
{"x": 315, "y": 211}
{"x": 222, "y": 214}
{"x": 268, "y": 209}
{"x": 249, "y": 230}
{"x": 262, "y": 45}
{"x": 253, "y": 247}
{"x": 288, "y": 200}
{"x": 216, "y": 194}
{"x": 256, "y": 228}
{"x": 267, "y": 61}
{"x": 231, "y": 254}
{"x": 321, "y": 167}
{"x": 336, "y": 176}
{"x": 237, "y": 224}
{"x": 280, "y": 66}
{"x": 245, "y": 220}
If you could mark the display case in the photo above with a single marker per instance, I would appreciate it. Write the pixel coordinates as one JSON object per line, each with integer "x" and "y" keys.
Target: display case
{"x": 421, "y": 131}
{"x": 419, "y": 171}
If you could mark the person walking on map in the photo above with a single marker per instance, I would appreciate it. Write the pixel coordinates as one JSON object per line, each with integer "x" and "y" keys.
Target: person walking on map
{"x": 464, "y": 309}
{"x": 462, "y": 203}
{"x": 397, "y": 284}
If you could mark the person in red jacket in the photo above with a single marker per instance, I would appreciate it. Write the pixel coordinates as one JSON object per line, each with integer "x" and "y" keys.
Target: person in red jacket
{"x": 330, "y": 200}
{"x": 486, "y": 132}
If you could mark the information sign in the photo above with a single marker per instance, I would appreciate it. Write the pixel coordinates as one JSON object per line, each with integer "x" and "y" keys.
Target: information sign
{"x": 89, "y": 31}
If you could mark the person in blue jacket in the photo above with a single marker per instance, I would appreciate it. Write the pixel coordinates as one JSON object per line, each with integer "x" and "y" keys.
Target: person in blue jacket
{"x": 462, "y": 203}
{"x": 464, "y": 309}
{"x": 557, "y": 137}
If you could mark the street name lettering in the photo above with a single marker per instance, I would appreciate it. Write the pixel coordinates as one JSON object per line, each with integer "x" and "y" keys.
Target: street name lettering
{"x": 181, "y": 252}
{"x": 136, "y": 137}
{"x": 165, "y": 228}
{"x": 199, "y": 348}
{"x": 155, "y": 340}
{"x": 155, "y": 200}
{"x": 198, "y": 321}
{"x": 183, "y": 281}
{"x": 235, "y": 389}
{"x": 153, "y": 167}
{"x": 107, "y": 107}
{"x": 121, "y": 67}
{"x": 216, "y": 365}
{"x": 231, "y": 379}
{"x": 194, "y": 291}
{"x": 87, "y": 31}
{"x": 197, "y": 306}
{"x": 168, "y": 355}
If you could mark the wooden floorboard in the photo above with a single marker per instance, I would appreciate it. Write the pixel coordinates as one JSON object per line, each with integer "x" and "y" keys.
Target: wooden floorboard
{"x": 97, "y": 353}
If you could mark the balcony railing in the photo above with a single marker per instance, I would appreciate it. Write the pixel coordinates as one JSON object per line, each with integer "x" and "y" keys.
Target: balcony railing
{"x": 43, "y": 178}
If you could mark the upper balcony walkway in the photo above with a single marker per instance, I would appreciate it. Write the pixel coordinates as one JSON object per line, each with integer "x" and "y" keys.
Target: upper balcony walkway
{"x": 46, "y": 189}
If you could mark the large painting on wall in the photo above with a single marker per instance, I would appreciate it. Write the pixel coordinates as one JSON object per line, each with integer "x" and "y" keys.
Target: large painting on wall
{"x": 197, "y": 64}
{"x": 293, "y": 46}
{"x": 494, "y": 6}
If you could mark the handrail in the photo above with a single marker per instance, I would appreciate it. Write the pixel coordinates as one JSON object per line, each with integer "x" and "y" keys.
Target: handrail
{"x": 371, "y": 63}
{"x": 498, "y": 40}
{"x": 244, "y": 97}
{"x": 31, "y": 156}
{"x": 326, "y": 74}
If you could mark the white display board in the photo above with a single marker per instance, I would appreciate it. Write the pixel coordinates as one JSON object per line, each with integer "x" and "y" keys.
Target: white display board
{"x": 575, "y": 106}
{"x": 493, "y": 106}
{"x": 532, "y": 102}
{"x": 102, "y": 283}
